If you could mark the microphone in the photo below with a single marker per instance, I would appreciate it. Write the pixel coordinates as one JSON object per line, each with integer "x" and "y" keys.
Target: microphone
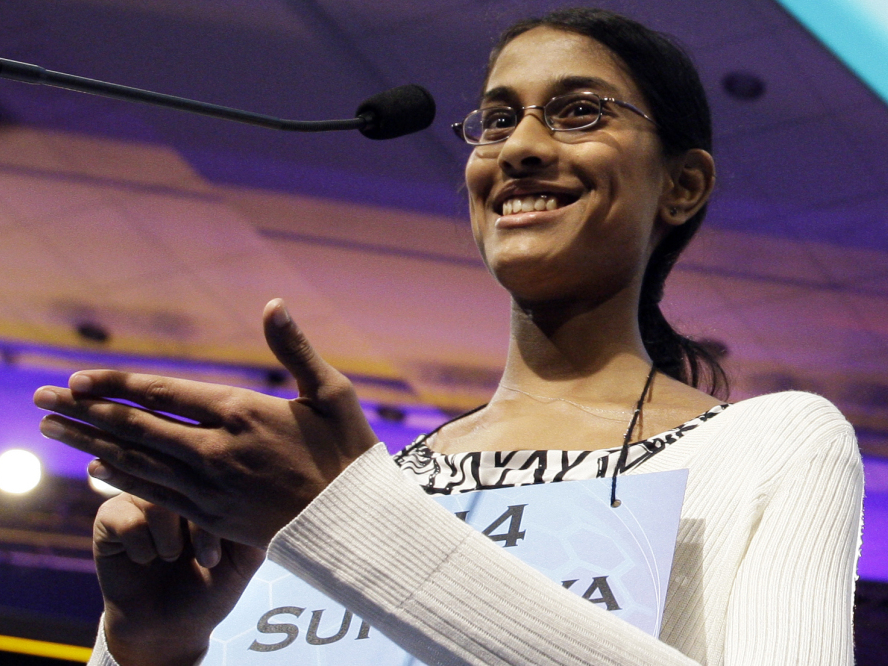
{"x": 387, "y": 115}
{"x": 396, "y": 112}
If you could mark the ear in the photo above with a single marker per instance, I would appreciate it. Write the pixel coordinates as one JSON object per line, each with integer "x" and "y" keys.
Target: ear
{"x": 692, "y": 177}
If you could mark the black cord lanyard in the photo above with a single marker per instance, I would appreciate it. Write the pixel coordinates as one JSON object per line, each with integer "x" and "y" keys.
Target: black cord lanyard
{"x": 624, "y": 451}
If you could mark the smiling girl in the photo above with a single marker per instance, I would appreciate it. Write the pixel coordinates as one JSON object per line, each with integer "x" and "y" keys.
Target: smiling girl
{"x": 589, "y": 173}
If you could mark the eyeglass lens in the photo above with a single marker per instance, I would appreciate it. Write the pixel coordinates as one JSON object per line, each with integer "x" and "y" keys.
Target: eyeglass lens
{"x": 566, "y": 112}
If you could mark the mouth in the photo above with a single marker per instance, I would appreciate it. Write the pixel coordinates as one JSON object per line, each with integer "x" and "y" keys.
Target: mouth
{"x": 541, "y": 201}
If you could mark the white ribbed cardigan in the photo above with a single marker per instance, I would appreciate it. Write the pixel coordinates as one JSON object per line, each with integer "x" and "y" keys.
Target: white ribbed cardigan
{"x": 763, "y": 573}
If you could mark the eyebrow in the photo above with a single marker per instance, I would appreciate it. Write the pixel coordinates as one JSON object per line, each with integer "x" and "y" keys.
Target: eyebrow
{"x": 560, "y": 85}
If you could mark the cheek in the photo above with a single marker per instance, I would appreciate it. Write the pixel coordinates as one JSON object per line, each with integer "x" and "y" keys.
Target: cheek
{"x": 478, "y": 177}
{"x": 636, "y": 184}
{"x": 479, "y": 181}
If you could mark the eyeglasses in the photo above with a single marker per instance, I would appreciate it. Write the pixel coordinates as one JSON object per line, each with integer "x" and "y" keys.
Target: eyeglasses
{"x": 565, "y": 113}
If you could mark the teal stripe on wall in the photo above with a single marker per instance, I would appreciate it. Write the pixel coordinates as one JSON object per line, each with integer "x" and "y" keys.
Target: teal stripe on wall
{"x": 855, "y": 30}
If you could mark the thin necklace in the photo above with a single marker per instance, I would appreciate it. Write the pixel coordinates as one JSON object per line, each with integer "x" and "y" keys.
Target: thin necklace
{"x": 624, "y": 450}
{"x": 545, "y": 399}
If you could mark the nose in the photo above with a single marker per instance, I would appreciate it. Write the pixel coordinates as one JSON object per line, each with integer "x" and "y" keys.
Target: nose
{"x": 531, "y": 146}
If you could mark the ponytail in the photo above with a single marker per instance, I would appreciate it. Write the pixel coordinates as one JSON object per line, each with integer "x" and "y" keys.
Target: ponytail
{"x": 673, "y": 354}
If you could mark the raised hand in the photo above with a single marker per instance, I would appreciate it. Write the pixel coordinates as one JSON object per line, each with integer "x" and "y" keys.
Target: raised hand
{"x": 237, "y": 463}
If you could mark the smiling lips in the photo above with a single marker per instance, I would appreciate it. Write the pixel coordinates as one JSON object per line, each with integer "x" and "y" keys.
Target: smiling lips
{"x": 534, "y": 202}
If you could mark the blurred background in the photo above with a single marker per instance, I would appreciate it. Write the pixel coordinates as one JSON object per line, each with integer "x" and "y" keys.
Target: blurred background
{"x": 147, "y": 239}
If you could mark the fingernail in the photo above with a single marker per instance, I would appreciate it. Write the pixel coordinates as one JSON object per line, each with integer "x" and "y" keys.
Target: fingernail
{"x": 80, "y": 384}
{"x": 281, "y": 317}
{"x": 210, "y": 556}
{"x": 98, "y": 471}
{"x": 46, "y": 399}
{"x": 51, "y": 429}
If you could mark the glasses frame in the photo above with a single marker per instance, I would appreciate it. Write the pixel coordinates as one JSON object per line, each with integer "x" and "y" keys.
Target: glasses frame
{"x": 459, "y": 128}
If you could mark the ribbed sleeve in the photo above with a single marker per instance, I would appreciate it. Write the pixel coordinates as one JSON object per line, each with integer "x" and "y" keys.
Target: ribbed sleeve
{"x": 799, "y": 574}
{"x": 100, "y": 655}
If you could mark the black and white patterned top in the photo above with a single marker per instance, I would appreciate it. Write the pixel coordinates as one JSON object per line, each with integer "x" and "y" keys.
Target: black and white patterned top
{"x": 446, "y": 474}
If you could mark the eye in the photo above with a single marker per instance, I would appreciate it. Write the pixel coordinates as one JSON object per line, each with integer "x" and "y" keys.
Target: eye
{"x": 498, "y": 118}
{"x": 497, "y": 122}
{"x": 574, "y": 111}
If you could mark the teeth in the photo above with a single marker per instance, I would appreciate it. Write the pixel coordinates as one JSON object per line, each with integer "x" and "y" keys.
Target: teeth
{"x": 530, "y": 203}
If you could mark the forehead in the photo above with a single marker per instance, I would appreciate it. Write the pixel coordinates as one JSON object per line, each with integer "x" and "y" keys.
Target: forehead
{"x": 543, "y": 61}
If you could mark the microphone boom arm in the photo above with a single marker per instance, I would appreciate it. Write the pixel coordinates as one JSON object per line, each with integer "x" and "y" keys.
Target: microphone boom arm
{"x": 34, "y": 74}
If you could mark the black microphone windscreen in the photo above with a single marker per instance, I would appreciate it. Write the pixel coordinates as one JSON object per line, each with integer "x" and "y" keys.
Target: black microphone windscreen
{"x": 397, "y": 112}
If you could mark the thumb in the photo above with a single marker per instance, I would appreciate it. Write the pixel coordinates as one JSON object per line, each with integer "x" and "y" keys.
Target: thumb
{"x": 293, "y": 350}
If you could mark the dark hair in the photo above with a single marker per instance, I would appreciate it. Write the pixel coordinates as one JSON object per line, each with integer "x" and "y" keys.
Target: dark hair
{"x": 671, "y": 86}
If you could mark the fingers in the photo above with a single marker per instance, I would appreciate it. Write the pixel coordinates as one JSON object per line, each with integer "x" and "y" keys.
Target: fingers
{"x": 142, "y": 531}
{"x": 157, "y": 493}
{"x": 124, "y": 422}
{"x": 207, "y": 547}
{"x": 125, "y": 458}
{"x": 295, "y": 353}
{"x": 165, "y": 528}
{"x": 180, "y": 397}
{"x": 145, "y": 532}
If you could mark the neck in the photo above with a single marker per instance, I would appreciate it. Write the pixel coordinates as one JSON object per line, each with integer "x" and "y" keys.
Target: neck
{"x": 588, "y": 351}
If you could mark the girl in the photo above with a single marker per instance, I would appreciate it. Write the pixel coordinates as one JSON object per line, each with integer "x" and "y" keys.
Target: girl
{"x": 590, "y": 171}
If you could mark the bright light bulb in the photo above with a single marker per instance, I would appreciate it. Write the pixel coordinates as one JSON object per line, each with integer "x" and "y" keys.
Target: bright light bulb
{"x": 102, "y": 487}
{"x": 20, "y": 471}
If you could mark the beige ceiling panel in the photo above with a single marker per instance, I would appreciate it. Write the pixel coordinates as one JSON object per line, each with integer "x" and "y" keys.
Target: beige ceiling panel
{"x": 423, "y": 308}
{"x": 807, "y": 329}
{"x": 374, "y": 228}
{"x": 28, "y": 148}
{"x": 172, "y": 311}
{"x": 444, "y": 326}
{"x": 104, "y": 247}
{"x": 197, "y": 231}
{"x": 696, "y": 306}
{"x": 740, "y": 293}
{"x": 244, "y": 284}
{"x": 30, "y": 269}
{"x": 115, "y": 161}
{"x": 46, "y": 195}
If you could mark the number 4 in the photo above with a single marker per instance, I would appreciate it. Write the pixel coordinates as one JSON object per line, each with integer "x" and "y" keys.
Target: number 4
{"x": 513, "y": 514}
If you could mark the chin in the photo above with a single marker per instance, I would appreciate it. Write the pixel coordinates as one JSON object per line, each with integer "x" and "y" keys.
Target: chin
{"x": 528, "y": 282}
{"x": 536, "y": 283}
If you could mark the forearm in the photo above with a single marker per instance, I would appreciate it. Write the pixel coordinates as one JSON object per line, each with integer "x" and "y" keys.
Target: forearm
{"x": 444, "y": 592}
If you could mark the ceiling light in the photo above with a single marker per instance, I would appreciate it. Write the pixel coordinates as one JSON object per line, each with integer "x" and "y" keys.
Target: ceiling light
{"x": 20, "y": 471}
{"x": 744, "y": 86}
